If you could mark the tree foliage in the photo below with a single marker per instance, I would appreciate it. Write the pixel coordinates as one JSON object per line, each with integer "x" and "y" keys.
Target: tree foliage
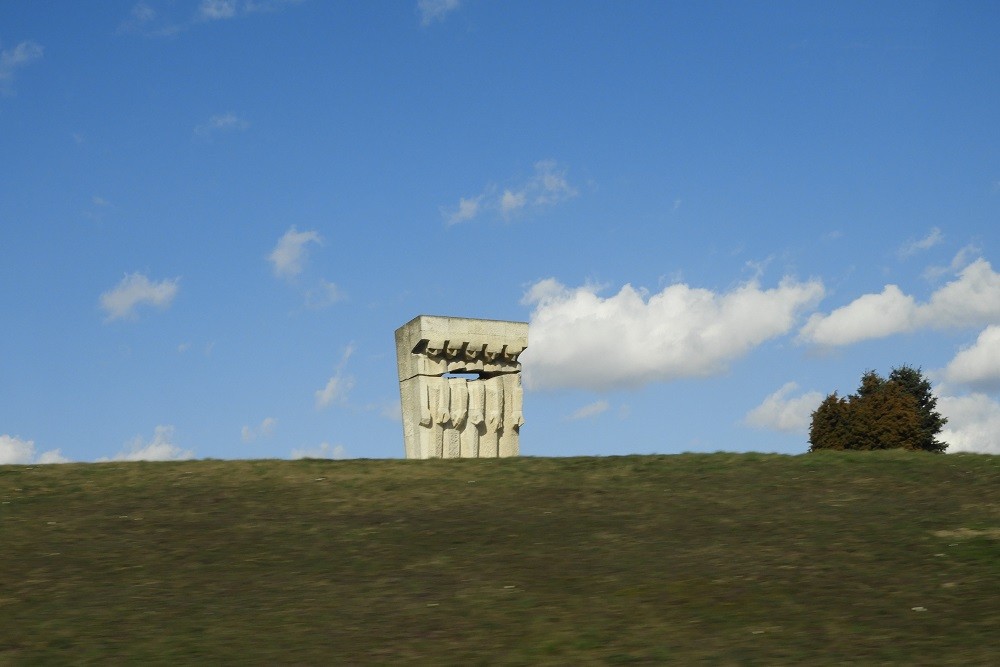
{"x": 831, "y": 427}
{"x": 931, "y": 421}
{"x": 897, "y": 412}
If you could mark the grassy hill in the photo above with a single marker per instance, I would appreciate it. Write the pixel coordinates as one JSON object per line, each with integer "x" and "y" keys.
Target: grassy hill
{"x": 721, "y": 559}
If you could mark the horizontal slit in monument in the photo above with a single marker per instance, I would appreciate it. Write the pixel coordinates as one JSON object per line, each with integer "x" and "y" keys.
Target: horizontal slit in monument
{"x": 473, "y": 375}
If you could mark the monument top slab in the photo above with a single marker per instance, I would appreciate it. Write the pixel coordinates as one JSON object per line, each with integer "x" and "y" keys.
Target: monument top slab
{"x": 433, "y": 345}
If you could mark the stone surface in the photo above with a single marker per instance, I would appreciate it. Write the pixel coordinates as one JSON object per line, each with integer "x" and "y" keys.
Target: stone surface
{"x": 475, "y": 416}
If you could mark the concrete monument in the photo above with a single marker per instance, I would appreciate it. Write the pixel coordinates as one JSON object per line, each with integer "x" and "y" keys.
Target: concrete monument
{"x": 460, "y": 386}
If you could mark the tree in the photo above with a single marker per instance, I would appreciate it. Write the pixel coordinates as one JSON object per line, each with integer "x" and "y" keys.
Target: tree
{"x": 894, "y": 413}
{"x": 931, "y": 421}
{"x": 884, "y": 417}
{"x": 830, "y": 428}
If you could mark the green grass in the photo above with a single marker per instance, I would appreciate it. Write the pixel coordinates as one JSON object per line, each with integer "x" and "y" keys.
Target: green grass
{"x": 827, "y": 558}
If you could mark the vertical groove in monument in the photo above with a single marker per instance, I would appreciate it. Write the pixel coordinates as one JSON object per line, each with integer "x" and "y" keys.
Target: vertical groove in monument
{"x": 459, "y": 411}
{"x": 476, "y": 422}
{"x": 449, "y": 416}
{"x": 512, "y": 416}
{"x": 490, "y": 445}
{"x": 442, "y": 415}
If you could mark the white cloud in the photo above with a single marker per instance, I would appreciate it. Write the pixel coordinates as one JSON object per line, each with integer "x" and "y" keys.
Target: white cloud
{"x": 973, "y": 299}
{"x": 264, "y": 430}
{"x": 973, "y": 423}
{"x": 215, "y": 10}
{"x": 978, "y": 366}
{"x": 962, "y": 259}
{"x": 212, "y": 10}
{"x": 548, "y": 186}
{"x": 226, "y": 122}
{"x": 339, "y": 385}
{"x": 435, "y": 10}
{"x": 146, "y": 20}
{"x": 467, "y": 210}
{"x": 912, "y": 247}
{"x": 14, "y": 450}
{"x": 323, "y": 451}
{"x": 134, "y": 290}
{"x": 288, "y": 256}
{"x": 782, "y": 412}
{"x": 323, "y": 295}
{"x": 868, "y": 316}
{"x": 52, "y": 456}
{"x": 336, "y": 389}
{"x": 579, "y": 339}
{"x": 254, "y": 6}
{"x": 158, "y": 449}
{"x": 14, "y": 59}
{"x": 512, "y": 201}
{"x": 99, "y": 207}
{"x": 589, "y": 410}
{"x": 142, "y": 13}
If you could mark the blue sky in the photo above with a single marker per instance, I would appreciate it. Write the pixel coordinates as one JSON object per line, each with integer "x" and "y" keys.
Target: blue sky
{"x": 214, "y": 214}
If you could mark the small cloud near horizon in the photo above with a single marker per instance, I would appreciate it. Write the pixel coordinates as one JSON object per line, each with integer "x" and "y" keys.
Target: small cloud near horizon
{"x": 973, "y": 423}
{"x": 338, "y": 386}
{"x": 159, "y": 448}
{"x": 588, "y": 411}
{"x": 782, "y": 412}
{"x": 323, "y": 451}
{"x": 16, "y": 451}
{"x": 264, "y": 430}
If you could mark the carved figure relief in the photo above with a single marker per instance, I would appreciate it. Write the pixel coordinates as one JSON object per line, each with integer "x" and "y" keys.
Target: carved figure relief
{"x": 473, "y": 415}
